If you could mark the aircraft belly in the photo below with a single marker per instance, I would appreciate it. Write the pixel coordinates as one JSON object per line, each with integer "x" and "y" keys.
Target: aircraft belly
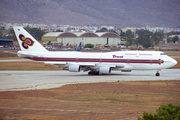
{"x": 146, "y": 66}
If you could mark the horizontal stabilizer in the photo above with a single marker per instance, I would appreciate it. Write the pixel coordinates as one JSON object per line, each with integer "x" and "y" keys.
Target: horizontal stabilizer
{"x": 27, "y": 55}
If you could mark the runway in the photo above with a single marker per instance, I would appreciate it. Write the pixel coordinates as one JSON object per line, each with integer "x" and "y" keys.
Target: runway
{"x": 30, "y": 80}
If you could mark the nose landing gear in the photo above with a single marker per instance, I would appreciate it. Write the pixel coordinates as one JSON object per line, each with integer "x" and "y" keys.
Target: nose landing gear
{"x": 158, "y": 74}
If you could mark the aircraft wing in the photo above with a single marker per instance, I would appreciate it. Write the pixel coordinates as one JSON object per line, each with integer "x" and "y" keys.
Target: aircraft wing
{"x": 85, "y": 66}
{"x": 65, "y": 63}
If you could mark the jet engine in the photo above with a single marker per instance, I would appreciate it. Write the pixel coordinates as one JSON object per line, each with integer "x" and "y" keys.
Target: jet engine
{"x": 74, "y": 68}
{"x": 104, "y": 70}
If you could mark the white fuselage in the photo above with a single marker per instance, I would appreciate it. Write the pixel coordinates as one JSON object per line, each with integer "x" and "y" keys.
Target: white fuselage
{"x": 128, "y": 60}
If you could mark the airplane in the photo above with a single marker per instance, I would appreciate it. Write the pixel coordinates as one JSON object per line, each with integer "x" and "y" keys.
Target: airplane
{"x": 94, "y": 63}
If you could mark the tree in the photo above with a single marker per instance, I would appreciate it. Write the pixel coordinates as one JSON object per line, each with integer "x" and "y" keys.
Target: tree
{"x": 169, "y": 40}
{"x": 176, "y": 38}
{"x": 146, "y": 44}
{"x": 129, "y": 32}
{"x": 11, "y": 35}
{"x": 157, "y": 37}
{"x": 164, "y": 112}
{"x": 35, "y": 32}
{"x": 129, "y": 41}
{"x": 145, "y": 38}
{"x": 102, "y": 30}
{"x": 89, "y": 45}
{"x": 123, "y": 34}
{"x": 28, "y": 29}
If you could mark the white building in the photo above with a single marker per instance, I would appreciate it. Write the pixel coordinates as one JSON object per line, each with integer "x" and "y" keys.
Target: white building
{"x": 100, "y": 38}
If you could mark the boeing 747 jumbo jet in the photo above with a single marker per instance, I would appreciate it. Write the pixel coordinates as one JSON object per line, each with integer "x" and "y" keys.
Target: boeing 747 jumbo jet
{"x": 95, "y": 63}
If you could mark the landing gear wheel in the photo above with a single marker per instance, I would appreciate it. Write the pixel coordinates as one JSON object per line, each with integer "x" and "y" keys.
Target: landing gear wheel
{"x": 96, "y": 73}
{"x": 93, "y": 73}
{"x": 157, "y": 74}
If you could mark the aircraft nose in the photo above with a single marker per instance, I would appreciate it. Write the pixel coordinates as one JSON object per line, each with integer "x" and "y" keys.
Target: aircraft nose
{"x": 174, "y": 62}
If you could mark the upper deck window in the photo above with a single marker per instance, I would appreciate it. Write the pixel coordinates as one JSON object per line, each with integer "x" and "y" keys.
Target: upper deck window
{"x": 162, "y": 54}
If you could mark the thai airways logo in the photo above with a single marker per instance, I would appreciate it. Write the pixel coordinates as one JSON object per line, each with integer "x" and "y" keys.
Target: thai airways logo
{"x": 26, "y": 42}
{"x": 117, "y": 56}
{"x": 160, "y": 62}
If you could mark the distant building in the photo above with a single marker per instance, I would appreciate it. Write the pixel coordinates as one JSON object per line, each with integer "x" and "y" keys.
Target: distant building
{"x": 171, "y": 36}
{"x": 129, "y": 28}
{"x": 6, "y": 42}
{"x": 65, "y": 38}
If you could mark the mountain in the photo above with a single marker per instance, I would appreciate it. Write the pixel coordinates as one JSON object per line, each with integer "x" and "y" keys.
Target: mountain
{"x": 131, "y": 13}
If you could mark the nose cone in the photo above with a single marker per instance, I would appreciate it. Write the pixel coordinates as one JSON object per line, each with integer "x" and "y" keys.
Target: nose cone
{"x": 169, "y": 62}
{"x": 174, "y": 62}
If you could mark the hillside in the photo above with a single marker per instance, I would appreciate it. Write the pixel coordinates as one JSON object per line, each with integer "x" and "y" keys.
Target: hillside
{"x": 133, "y": 13}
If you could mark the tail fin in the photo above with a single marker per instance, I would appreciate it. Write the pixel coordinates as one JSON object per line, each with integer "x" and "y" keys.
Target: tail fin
{"x": 27, "y": 42}
{"x": 79, "y": 47}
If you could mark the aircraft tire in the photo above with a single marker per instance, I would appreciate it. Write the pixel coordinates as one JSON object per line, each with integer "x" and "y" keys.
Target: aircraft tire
{"x": 96, "y": 73}
{"x": 157, "y": 74}
{"x": 93, "y": 73}
{"x": 89, "y": 73}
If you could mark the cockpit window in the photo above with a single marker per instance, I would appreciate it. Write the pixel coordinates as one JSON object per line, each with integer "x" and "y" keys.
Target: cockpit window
{"x": 162, "y": 54}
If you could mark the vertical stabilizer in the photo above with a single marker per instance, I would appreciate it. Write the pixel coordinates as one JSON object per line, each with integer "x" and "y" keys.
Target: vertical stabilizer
{"x": 27, "y": 42}
{"x": 79, "y": 47}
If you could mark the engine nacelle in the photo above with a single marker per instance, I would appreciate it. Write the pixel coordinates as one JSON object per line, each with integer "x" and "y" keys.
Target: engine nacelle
{"x": 74, "y": 68}
{"x": 104, "y": 70}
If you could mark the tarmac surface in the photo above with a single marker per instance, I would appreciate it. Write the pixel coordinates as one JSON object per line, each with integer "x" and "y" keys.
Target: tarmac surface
{"x": 30, "y": 80}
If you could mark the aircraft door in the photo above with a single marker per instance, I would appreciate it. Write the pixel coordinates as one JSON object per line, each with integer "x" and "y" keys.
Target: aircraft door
{"x": 137, "y": 53}
{"x": 100, "y": 59}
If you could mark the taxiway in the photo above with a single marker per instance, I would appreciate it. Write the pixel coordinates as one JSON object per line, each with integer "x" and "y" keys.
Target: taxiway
{"x": 27, "y": 80}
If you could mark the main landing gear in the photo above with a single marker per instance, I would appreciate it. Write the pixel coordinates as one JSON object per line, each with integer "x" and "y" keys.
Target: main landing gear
{"x": 93, "y": 73}
{"x": 158, "y": 74}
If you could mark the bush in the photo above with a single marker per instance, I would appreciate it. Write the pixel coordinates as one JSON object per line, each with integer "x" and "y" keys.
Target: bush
{"x": 176, "y": 38}
{"x": 89, "y": 46}
{"x": 146, "y": 44}
{"x": 164, "y": 112}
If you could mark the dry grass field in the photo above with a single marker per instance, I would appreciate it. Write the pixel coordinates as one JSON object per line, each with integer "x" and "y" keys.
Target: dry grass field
{"x": 96, "y": 101}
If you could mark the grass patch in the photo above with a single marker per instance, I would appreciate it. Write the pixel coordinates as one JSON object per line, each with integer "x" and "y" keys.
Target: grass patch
{"x": 27, "y": 66}
{"x": 122, "y": 100}
{"x": 106, "y": 100}
{"x": 49, "y": 66}
{"x": 88, "y": 99}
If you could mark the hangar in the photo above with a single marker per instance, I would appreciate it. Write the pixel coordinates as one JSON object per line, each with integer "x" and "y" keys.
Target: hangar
{"x": 99, "y": 38}
{"x": 6, "y": 42}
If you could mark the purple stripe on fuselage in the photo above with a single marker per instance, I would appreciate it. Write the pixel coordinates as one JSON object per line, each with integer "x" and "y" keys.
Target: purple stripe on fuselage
{"x": 96, "y": 60}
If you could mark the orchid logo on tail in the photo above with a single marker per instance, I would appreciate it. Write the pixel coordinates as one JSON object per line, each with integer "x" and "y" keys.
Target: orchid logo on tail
{"x": 26, "y": 42}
